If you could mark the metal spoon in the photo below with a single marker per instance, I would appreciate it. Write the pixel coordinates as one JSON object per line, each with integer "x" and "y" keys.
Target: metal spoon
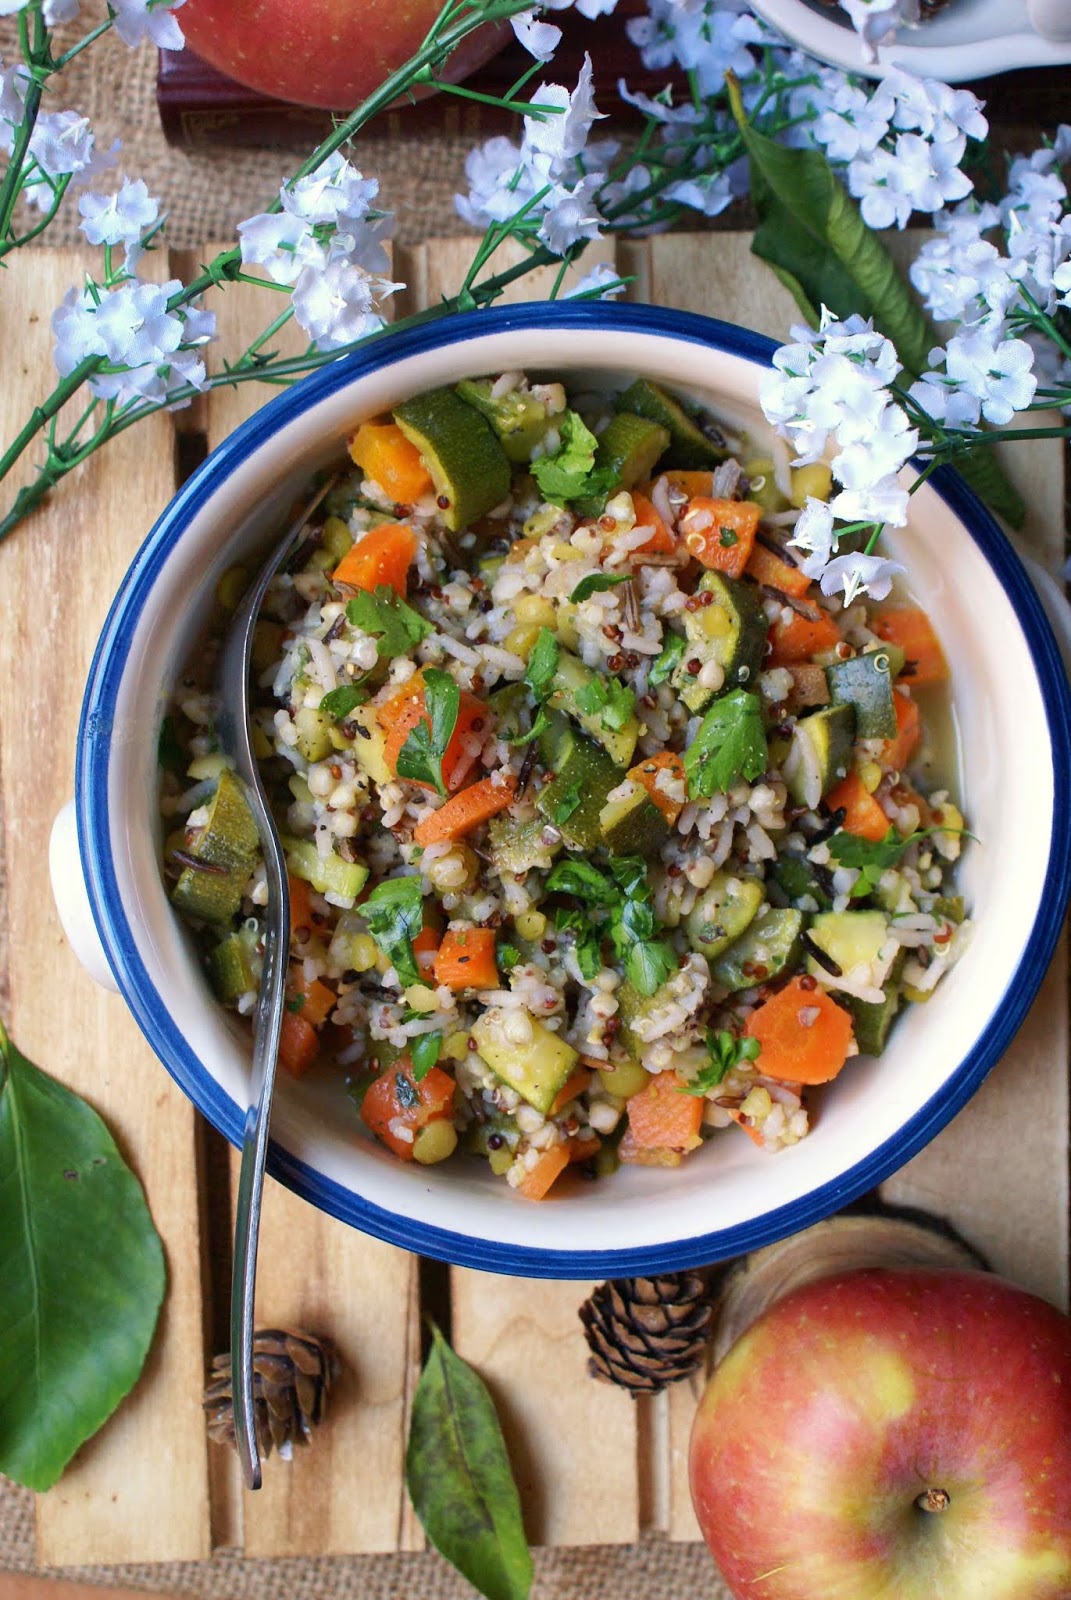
{"x": 232, "y": 726}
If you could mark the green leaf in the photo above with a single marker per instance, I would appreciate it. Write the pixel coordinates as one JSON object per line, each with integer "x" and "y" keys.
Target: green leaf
{"x": 729, "y": 744}
{"x": 568, "y": 803}
{"x": 665, "y": 664}
{"x": 597, "y": 583}
{"x": 584, "y": 881}
{"x": 872, "y": 857}
{"x": 421, "y": 756}
{"x": 570, "y": 472}
{"x": 338, "y": 703}
{"x": 82, "y": 1273}
{"x": 812, "y": 234}
{"x": 394, "y": 912}
{"x": 609, "y": 699}
{"x": 508, "y": 956}
{"x": 460, "y": 1481}
{"x": 396, "y": 627}
{"x": 725, "y": 1053}
{"x": 424, "y": 1051}
{"x": 542, "y": 665}
{"x": 648, "y": 964}
{"x": 587, "y": 935}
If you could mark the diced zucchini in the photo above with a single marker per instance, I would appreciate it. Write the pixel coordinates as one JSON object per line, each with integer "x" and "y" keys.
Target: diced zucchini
{"x": 624, "y": 1079}
{"x": 537, "y": 1067}
{"x": 633, "y": 1007}
{"x": 849, "y": 938}
{"x": 632, "y": 824}
{"x": 951, "y": 907}
{"x": 518, "y": 418}
{"x": 571, "y": 679}
{"x": 797, "y": 877}
{"x": 508, "y": 705}
{"x": 338, "y": 540}
{"x": 770, "y": 946}
{"x": 229, "y": 837}
{"x": 865, "y": 683}
{"x": 327, "y": 874}
{"x": 461, "y": 450}
{"x": 631, "y": 446}
{"x": 762, "y": 484}
{"x": 370, "y": 746}
{"x": 496, "y": 1131}
{"x": 689, "y": 446}
{"x": 820, "y": 753}
{"x": 211, "y": 893}
{"x": 518, "y": 847}
{"x": 731, "y": 631}
{"x": 722, "y": 912}
{"x": 230, "y": 966}
{"x": 583, "y": 777}
{"x": 872, "y": 1019}
{"x": 313, "y": 733}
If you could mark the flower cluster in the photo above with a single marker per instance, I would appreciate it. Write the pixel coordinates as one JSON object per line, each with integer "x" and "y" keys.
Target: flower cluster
{"x": 62, "y": 145}
{"x": 832, "y": 384}
{"x": 326, "y": 242}
{"x": 150, "y": 349}
{"x": 134, "y": 20}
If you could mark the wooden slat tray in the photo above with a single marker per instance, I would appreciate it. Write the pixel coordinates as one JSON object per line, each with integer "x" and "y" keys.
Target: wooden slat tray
{"x": 595, "y": 1467}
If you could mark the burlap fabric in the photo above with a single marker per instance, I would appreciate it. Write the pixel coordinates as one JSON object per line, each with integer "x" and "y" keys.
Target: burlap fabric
{"x": 206, "y": 193}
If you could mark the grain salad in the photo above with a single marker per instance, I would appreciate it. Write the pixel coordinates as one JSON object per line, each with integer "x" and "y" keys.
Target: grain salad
{"x": 605, "y": 830}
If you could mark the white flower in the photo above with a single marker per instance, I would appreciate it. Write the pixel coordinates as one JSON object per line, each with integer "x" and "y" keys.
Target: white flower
{"x": 562, "y": 135}
{"x": 1034, "y": 199}
{"x": 13, "y": 82}
{"x": 710, "y": 193}
{"x": 859, "y": 574}
{"x": 933, "y": 108}
{"x": 871, "y": 500}
{"x": 282, "y": 244}
{"x": 499, "y": 183}
{"x": 882, "y": 450}
{"x": 945, "y": 401}
{"x": 337, "y": 305}
{"x": 661, "y": 108}
{"x": 876, "y": 21}
{"x": 121, "y": 218}
{"x": 335, "y": 193}
{"x": 700, "y": 37}
{"x": 999, "y": 375}
{"x": 540, "y": 39}
{"x": 132, "y": 327}
{"x": 853, "y": 123}
{"x": 964, "y": 281}
{"x": 813, "y": 533}
{"x": 917, "y": 175}
{"x": 586, "y": 8}
{"x": 149, "y": 19}
{"x": 601, "y": 283}
{"x": 571, "y": 215}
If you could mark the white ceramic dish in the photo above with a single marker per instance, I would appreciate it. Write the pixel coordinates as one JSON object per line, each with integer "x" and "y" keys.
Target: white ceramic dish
{"x": 969, "y": 39}
{"x": 1013, "y": 717}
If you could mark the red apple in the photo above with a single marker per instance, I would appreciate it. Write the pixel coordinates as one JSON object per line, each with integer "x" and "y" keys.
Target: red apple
{"x": 891, "y": 1435}
{"x": 329, "y": 53}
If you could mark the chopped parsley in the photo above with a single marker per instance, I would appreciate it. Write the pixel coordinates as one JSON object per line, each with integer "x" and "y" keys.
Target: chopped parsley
{"x": 570, "y": 473}
{"x": 666, "y": 663}
{"x": 597, "y": 583}
{"x": 508, "y": 957}
{"x": 730, "y": 744}
{"x": 587, "y": 939}
{"x": 727, "y": 538}
{"x": 394, "y": 912}
{"x": 384, "y": 615}
{"x": 568, "y": 803}
{"x": 338, "y": 703}
{"x": 424, "y": 1051}
{"x": 872, "y": 857}
{"x": 421, "y": 756}
{"x": 609, "y": 700}
{"x": 631, "y": 924}
{"x": 539, "y": 676}
{"x": 725, "y": 1053}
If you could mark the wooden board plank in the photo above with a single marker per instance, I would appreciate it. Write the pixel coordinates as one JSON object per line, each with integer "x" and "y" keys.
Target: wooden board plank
{"x": 1014, "y": 1202}
{"x": 345, "y": 1496}
{"x": 572, "y": 1442}
{"x": 138, "y": 1491}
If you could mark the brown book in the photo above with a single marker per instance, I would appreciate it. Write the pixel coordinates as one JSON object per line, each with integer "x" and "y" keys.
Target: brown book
{"x": 200, "y": 106}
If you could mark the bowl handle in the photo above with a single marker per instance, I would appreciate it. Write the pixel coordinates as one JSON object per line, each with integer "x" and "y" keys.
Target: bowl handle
{"x": 72, "y": 900}
{"x": 1054, "y": 603}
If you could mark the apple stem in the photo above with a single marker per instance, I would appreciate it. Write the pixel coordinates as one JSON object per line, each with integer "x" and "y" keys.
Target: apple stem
{"x": 934, "y": 1500}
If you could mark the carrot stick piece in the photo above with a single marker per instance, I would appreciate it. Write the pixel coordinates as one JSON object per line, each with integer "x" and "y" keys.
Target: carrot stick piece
{"x": 298, "y": 1044}
{"x": 383, "y": 556}
{"x": 383, "y": 452}
{"x": 721, "y": 533}
{"x": 911, "y": 629}
{"x": 660, "y": 1117}
{"x": 466, "y": 959}
{"x": 647, "y": 774}
{"x": 467, "y": 809}
{"x": 799, "y": 639}
{"x": 551, "y": 1164}
{"x": 862, "y": 814}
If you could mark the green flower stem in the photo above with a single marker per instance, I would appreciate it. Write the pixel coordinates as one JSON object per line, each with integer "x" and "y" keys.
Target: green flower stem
{"x": 11, "y": 187}
{"x": 59, "y": 190}
{"x": 76, "y": 49}
{"x": 521, "y": 107}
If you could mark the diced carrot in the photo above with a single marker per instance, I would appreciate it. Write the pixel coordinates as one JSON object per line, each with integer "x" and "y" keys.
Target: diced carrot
{"x": 766, "y": 567}
{"x": 647, "y": 774}
{"x": 383, "y": 452}
{"x": 689, "y": 483}
{"x": 550, "y": 1166}
{"x": 574, "y": 1086}
{"x": 467, "y": 809}
{"x": 803, "y": 1035}
{"x": 721, "y": 533}
{"x": 896, "y": 753}
{"x": 401, "y": 713}
{"x": 427, "y": 943}
{"x": 300, "y": 903}
{"x": 396, "y": 1098}
{"x": 753, "y": 1133}
{"x": 662, "y": 542}
{"x": 911, "y": 629}
{"x": 862, "y": 814}
{"x": 383, "y": 556}
{"x": 466, "y": 959}
{"x": 310, "y": 998}
{"x": 584, "y": 1149}
{"x": 634, "y": 1154}
{"x": 299, "y": 1044}
{"x": 799, "y": 639}
{"x": 660, "y": 1117}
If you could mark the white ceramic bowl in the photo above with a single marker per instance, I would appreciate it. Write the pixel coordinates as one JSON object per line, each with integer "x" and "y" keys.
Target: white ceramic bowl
{"x": 1012, "y": 715}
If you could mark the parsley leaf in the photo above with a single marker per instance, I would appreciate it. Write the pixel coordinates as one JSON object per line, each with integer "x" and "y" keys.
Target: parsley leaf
{"x": 872, "y": 857}
{"x": 394, "y": 912}
{"x": 338, "y": 703}
{"x": 587, "y": 939}
{"x": 568, "y": 803}
{"x": 508, "y": 956}
{"x": 727, "y": 538}
{"x": 424, "y": 1052}
{"x": 666, "y": 663}
{"x": 542, "y": 721}
{"x": 725, "y": 1053}
{"x": 421, "y": 756}
{"x": 729, "y": 744}
{"x": 597, "y": 583}
{"x": 384, "y": 615}
{"x": 609, "y": 699}
{"x": 296, "y": 1004}
{"x": 571, "y": 471}
{"x": 647, "y": 959}
{"x": 542, "y": 665}
{"x": 584, "y": 881}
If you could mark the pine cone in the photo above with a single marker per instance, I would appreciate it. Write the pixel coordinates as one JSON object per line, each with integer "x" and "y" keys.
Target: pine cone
{"x": 644, "y": 1333}
{"x": 292, "y": 1373}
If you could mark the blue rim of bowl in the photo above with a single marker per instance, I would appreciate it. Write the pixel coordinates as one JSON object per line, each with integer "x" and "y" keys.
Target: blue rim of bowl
{"x": 152, "y": 1016}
